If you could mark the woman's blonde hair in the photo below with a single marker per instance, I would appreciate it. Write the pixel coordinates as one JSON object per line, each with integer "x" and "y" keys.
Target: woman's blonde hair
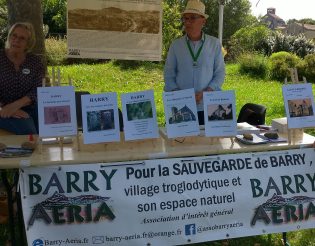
{"x": 28, "y": 27}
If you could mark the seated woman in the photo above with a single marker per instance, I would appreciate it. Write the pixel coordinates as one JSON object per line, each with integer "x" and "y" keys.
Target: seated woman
{"x": 20, "y": 74}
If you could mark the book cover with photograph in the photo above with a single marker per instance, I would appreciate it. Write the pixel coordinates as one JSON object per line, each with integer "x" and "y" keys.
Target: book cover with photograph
{"x": 56, "y": 111}
{"x": 299, "y": 105}
{"x": 219, "y": 113}
{"x": 181, "y": 113}
{"x": 100, "y": 118}
{"x": 139, "y": 114}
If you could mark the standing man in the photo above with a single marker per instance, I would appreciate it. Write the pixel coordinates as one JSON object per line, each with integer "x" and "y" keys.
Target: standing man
{"x": 195, "y": 60}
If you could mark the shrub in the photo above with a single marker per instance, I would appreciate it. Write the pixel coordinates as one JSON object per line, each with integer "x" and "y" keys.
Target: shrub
{"x": 56, "y": 51}
{"x": 279, "y": 64}
{"x": 303, "y": 46}
{"x": 254, "y": 64}
{"x": 307, "y": 68}
{"x": 247, "y": 39}
{"x": 261, "y": 39}
{"x": 298, "y": 45}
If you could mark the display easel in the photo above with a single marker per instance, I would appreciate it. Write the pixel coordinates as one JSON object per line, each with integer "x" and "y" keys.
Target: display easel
{"x": 295, "y": 80}
{"x": 57, "y": 82}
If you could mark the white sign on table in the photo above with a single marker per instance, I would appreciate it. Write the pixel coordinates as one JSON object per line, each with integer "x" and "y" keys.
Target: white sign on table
{"x": 139, "y": 114}
{"x": 100, "y": 118}
{"x": 169, "y": 201}
{"x": 299, "y": 105}
{"x": 219, "y": 113}
{"x": 56, "y": 111}
{"x": 181, "y": 113}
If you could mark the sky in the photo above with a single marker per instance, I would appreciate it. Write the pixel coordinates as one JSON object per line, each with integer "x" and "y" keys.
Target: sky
{"x": 285, "y": 9}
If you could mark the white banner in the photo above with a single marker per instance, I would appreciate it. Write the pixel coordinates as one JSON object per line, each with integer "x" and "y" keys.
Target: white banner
{"x": 169, "y": 201}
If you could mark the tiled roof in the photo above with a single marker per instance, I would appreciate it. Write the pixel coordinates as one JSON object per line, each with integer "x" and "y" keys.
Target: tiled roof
{"x": 307, "y": 26}
{"x": 275, "y": 17}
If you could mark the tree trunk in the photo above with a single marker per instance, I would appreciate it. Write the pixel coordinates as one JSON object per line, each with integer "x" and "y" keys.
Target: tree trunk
{"x": 29, "y": 11}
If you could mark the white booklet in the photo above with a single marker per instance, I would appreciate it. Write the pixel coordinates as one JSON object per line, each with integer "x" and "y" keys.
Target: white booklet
{"x": 56, "y": 111}
{"x": 139, "y": 114}
{"x": 100, "y": 118}
{"x": 219, "y": 113}
{"x": 299, "y": 105}
{"x": 181, "y": 113}
{"x": 244, "y": 127}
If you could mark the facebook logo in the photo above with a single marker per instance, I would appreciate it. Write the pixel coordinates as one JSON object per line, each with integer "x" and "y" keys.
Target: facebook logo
{"x": 190, "y": 229}
{"x": 38, "y": 242}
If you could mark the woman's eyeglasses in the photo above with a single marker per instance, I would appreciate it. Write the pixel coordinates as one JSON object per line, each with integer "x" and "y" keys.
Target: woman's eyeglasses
{"x": 19, "y": 38}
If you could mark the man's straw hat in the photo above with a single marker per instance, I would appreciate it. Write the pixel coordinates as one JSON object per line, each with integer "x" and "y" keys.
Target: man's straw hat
{"x": 195, "y": 7}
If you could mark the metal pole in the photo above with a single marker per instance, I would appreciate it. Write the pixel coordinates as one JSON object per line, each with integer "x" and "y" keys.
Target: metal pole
{"x": 221, "y": 8}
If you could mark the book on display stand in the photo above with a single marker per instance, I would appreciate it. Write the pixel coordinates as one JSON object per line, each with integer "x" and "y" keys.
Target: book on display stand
{"x": 299, "y": 105}
{"x": 57, "y": 112}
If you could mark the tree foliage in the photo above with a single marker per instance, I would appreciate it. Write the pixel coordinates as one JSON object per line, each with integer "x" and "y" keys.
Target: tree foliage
{"x": 3, "y": 22}
{"x": 55, "y": 15}
{"x": 237, "y": 14}
{"x": 248, "y": 39}
{"x": 305, "y": 21}
{"x": 171, "y": 23}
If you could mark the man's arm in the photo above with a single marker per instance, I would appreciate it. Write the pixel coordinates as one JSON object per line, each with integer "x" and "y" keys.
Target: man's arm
{"x": 218, "y": 70}
{"x": 170, "y": 71}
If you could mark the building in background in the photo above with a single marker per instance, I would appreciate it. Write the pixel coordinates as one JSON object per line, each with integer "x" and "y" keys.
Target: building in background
{"x": 272, "y": 20}
{"x": 296, "y": 28}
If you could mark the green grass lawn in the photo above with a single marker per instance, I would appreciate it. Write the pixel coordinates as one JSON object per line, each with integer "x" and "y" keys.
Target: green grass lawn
{"x": 121, "y": 78}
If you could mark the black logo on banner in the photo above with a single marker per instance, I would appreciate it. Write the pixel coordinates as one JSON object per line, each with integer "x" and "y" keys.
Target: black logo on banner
{"x": 280, "y": 210}
{"x": 60, "y": 209}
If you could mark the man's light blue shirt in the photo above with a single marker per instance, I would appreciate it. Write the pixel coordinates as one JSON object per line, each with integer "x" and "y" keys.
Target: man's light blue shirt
{"x": 180, "y": 74}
